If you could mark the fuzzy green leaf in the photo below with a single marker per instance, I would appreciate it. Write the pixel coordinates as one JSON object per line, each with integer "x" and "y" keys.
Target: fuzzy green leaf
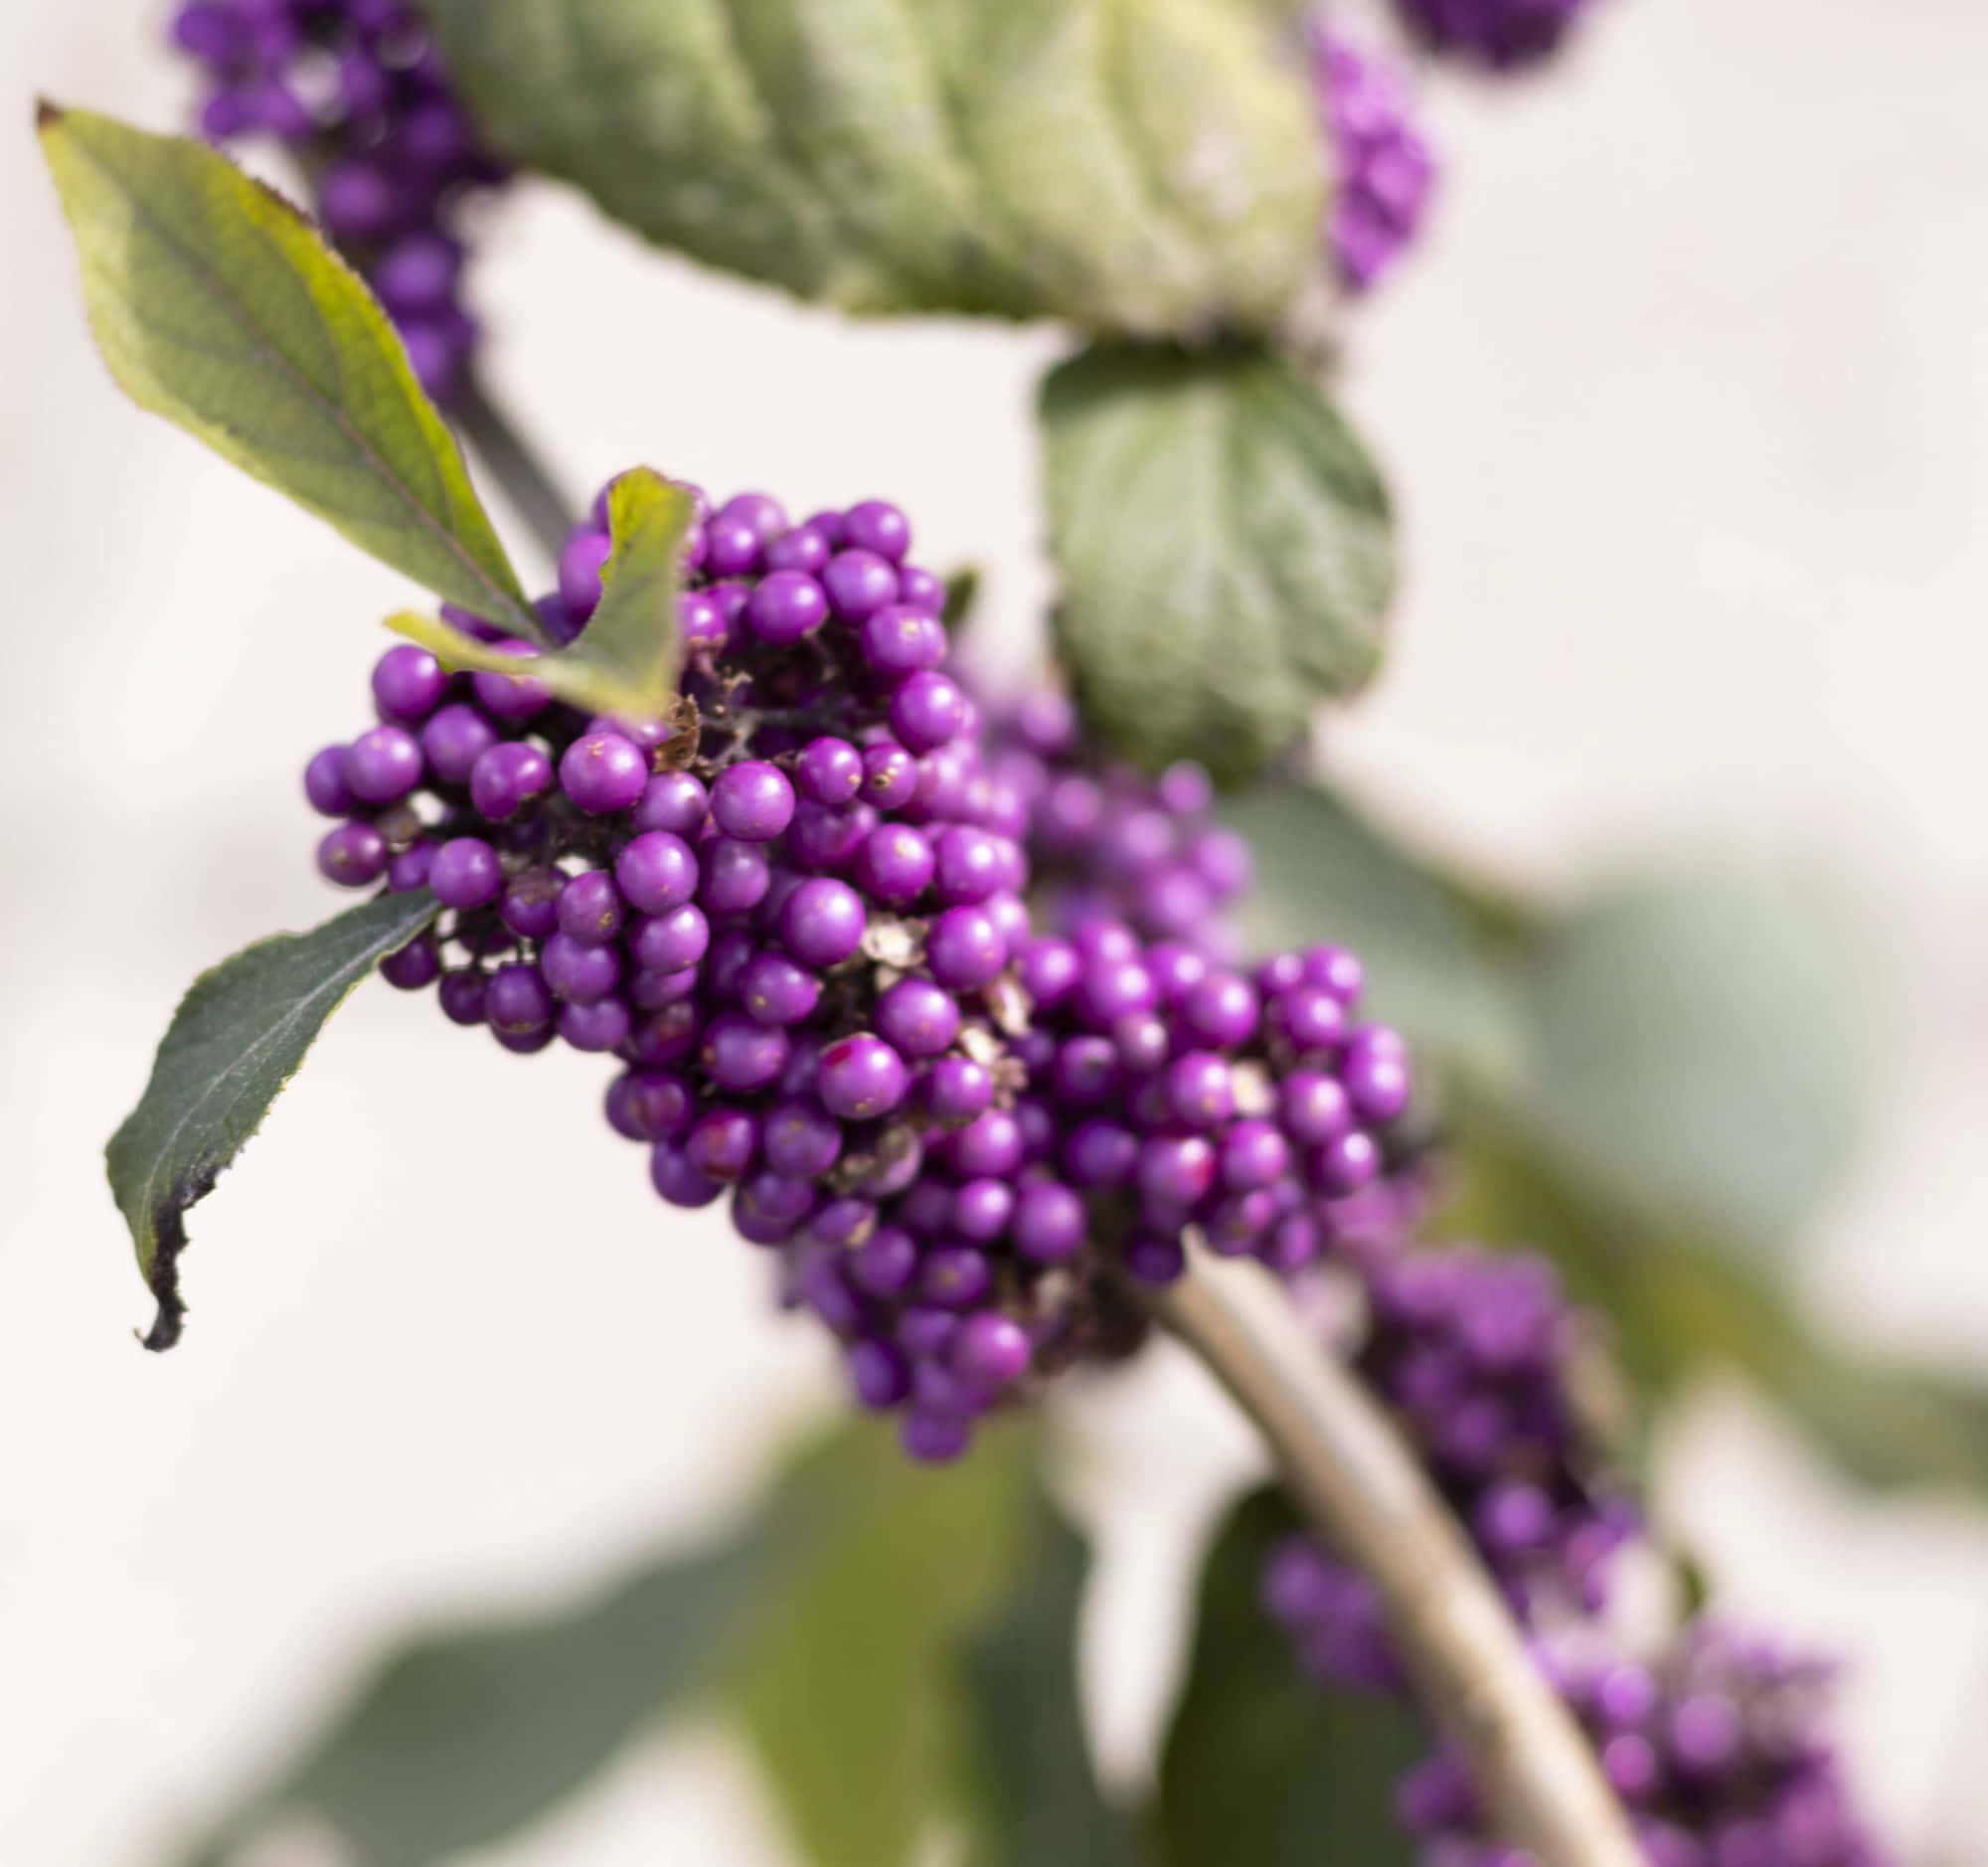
{"x": 1035, "y": 1801}
{"x": 1698, "y": 1047}
{"x": 1681, "y": 1300}
{"x": 845, "y": 1686}
{"x": 624, "y": 660}
{"x": 829, "y": 1621}
{"x": 239, "y": 1036}
{"x": 1140, "y": 165}
{"x": 1225, "y": 546}
{"x": 1264, "y": 1767}
{"x": 218, "y": 305}
{"x": 1436, "y": 965}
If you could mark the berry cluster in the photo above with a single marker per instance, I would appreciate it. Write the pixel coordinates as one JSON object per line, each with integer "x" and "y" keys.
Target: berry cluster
{"x": 1473, "y": 1352}
{"x": 1384, "y": 167}
{"x": 796, "y": 915}
{"x": 1105, "y": 841}
{"x": 1717, "y": 1750}
{"x": 354, "y": 88}
{"x": 1500, "y": 35}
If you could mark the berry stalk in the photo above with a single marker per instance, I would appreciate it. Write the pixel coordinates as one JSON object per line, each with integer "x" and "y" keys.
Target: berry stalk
{"x": 1351, "y": 1472}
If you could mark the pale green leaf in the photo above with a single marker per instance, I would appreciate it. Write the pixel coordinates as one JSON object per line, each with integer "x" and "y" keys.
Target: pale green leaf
{"x": 625, "y": 659}
{"x": 1140, "y": 165}
{"x": 220, "y": 306}
{"x": 1225, "y": 549}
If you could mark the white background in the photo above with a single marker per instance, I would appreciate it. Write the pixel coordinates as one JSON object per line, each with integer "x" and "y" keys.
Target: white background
{"x": 1688, "y": 409}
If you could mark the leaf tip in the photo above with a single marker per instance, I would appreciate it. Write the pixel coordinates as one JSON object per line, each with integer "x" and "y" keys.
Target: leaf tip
{"x": 48, "y": 113}
{"x": 167, "y": 1223}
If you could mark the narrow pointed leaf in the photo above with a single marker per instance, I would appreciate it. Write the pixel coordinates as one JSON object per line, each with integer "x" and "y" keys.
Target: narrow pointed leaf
{"x": 624, "y": 660}
{"x": 628, "y": 649}
{"x": 218, "y": 305}
{"x": 239, "y": 1036}
{"x": 1225, "y": 547}
{"x": 1034, "y": 1796}
{"x": 1264, "y": 1767}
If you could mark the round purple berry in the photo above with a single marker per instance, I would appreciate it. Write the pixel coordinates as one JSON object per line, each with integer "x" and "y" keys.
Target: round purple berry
{"x": 861, "y": 1078}
{"x": 604, "y": 773}
{"x": 822, "y": 922}
{"x": 752, "y": 802}
{"x": 467, "y": 874}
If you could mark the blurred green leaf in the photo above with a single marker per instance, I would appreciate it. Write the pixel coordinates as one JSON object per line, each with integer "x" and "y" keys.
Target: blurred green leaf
{"x": 624, "y": 662}
{"x": 1435, "y": 967}
{"x": 1680, "y": 1301}
{"x": 1035, "y": 1801}
{"x": 1225, "y": 549}
{"x": 843, "y": 1682}
{"x": 464, "y": 1736}
{"x": 1698, "y": 1047}
{"x": 218, "y": 305}
{"x": 1264, "y": 1767}
{"x": 1144, "y": 165}
{"x": 239, "y": 1036}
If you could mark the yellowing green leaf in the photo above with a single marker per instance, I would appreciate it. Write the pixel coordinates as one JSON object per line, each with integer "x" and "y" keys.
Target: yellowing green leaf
{"x": 218, "y": 305}
{"x": 623, "y": 661}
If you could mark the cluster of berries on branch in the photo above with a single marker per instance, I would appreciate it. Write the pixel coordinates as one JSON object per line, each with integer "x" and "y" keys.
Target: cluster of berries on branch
{"x": 354, "y": 89}
{"x": 1107, "y": 842}
{"x": 798, "y": 920}
{"x": 1717, "y": 1748}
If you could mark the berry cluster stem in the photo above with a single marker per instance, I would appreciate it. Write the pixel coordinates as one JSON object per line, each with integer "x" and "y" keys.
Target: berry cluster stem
{"x": 513, "y": 463}
{"x": 1354, "y": 1477}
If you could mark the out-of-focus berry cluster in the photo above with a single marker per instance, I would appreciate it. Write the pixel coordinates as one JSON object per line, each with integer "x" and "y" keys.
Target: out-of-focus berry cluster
{"x": 1384, "y": 169}
{"x": 1500, "y": 35}
{"x": 796, "y": 915}
{"x": 1106, "y": 842}
{"x": 354, "y": 88}
{"x": 1718, "y": 1749}
{"x": 1473, "y": 1353}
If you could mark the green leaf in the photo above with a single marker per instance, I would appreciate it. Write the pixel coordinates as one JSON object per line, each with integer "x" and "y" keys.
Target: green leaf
{"x": 1225, "y": 547}
{"x": 1698, "y": 1047}
{"x": 625, "y": 661}
{"x": 1436, "y": 956}
{"x": 462, "y": 1736}
{"x": 1142, "y": 165}
{"x": 218, "y": 305}
{"x": 844, "y": 1683}
{"x": 1680, "y": 1301}
{"x": 1264, "y": 1766}
{"x": 1035, "y": 1801}
{"x": 239, "y": 1036}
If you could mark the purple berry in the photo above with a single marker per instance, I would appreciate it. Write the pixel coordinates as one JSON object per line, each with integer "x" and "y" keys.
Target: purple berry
{"x": 467, "y": 874}
{"x": 964, "y": 950}
{"x": 829, "y": 772}
{"x": 752, "y": 802}
{"x": 507, "y": 777}
{"x": 927, "y": 711}
{"x": 822, "y": 922}
{"x": 383, "y": 764}
{"x": 861, "y": 1078}
{"x": 453, "y": 740}
{"x": 407, "y": 684}
{"x": 353, "y": 855}
{"x": 604, "y": 773}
